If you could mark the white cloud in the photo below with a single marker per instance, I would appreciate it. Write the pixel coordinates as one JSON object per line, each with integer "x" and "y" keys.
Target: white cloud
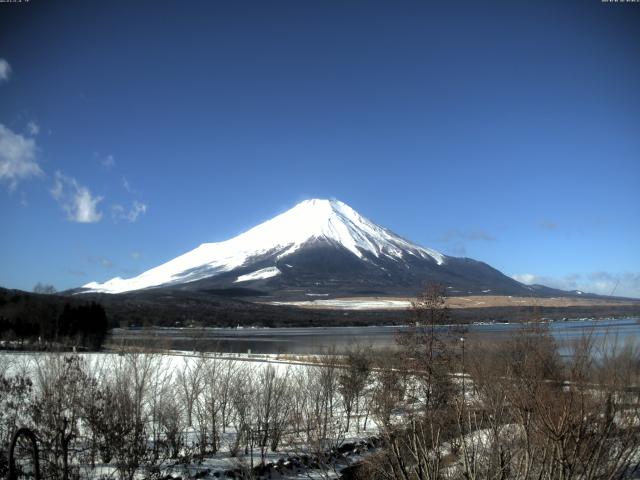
{"x": 17, "y": 157}
{"x": 5, "y": 70}
{"x": 136, "y": 255}
{"x": 33, "y": 128}
{"x": 108, "y": 162}
{"x": 137, "y": 209}
{"x": 76, "y": 200}
{"x": 625, "y": 284}
{"x": 528, "y": 278}
{"x": 131, "y": 215}
{"x": 127, "y": 186}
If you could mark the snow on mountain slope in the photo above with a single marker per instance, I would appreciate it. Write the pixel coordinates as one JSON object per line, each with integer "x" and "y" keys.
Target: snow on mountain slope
{"x": 259, "y": 274}
{"x": 310, "y": 220}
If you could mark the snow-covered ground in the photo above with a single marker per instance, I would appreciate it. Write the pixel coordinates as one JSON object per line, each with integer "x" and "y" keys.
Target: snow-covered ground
{"x": 352, "y": 304}
{"x": 288, "y": 461}
{"x": 259, "y": 274}
{"x": 315, "y": 439}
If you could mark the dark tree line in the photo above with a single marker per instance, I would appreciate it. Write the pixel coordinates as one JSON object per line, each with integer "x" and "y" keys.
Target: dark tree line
{"x": 37, "y": 321}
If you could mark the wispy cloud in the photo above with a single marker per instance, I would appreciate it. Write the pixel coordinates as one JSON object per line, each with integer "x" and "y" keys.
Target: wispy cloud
{"x": 106, "y": 263}
{"x": 131, "y": 214}
{"x": 458, "y": 250}
{"x": 127, "y": 186}
{"x": 17, "y": 157}
{"x": 457, "y": 240}
{"x": 108, "y": 162}
{"x": 455, "y": 235}
{"x": 625, "y": 284}
{"x": 548, "y": 225}
{"x": 76, "y": 200}
{"x": 33, "y": 128}
{"x": 136, "y": 255}
{"x": 103, "y": 261}
{"x": 5, "y": 70}
{"x": 137, "y": 209}
{"x": 77, "y": 273}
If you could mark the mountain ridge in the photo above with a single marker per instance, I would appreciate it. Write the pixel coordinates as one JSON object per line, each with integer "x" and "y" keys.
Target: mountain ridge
{"x": 320, "y": 247}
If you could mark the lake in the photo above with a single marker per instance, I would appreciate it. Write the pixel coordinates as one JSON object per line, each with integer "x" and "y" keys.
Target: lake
{"x": 320, "y": 340}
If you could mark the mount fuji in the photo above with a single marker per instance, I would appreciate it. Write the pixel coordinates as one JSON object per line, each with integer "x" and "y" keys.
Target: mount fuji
{"x": 318, "y": 248}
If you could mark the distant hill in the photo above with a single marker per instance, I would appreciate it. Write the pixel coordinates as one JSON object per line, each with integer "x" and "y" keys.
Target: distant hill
{"x": 183, "y": 308}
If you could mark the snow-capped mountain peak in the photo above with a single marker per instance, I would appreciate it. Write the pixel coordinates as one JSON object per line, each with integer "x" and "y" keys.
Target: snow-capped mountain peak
{"x": 310, "y": 221}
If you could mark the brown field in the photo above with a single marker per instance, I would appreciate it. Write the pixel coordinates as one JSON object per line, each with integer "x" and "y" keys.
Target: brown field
{"x": 468, "y": 302}
{"x": 508, "y": 301}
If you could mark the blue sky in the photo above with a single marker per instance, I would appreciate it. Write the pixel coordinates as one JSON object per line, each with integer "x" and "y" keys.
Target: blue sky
{"x": 509, "y": 132}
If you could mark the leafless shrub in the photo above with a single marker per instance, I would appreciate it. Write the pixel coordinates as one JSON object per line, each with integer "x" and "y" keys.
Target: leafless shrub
{"x": 522, "y": 411}
{"x": 353, "y": 378}
{"x": 190, "y": 382}
{"x": 272, "y": 407}
{"x": 62, "y": 381}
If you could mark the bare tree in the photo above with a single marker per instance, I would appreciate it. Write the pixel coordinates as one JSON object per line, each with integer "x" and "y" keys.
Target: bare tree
{"x": 190, "y": 382}
{"x": 44, "y": 288}
{"x": 57, "y": 409}
{"x": 272, "y": 407}
{"x": 213, "y": 400}
{"x": 171, "y": 425}
{"x": 242, "y": 402}
{"x": 228, "y": 371}
{"x": 133, "y": 410}
{"x": 128, "y": 430}
{"x": 417, "y": 385}
{"x": 424, "y": 353}
{"x": 352, "y": 380}
{"x": 159, "y": 392}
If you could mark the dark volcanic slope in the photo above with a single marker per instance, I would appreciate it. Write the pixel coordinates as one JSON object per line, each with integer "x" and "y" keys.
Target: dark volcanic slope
{"x": 327, "y": 269}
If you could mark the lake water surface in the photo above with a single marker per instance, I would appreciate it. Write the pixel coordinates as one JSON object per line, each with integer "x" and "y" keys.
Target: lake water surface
{"x": 320, "y": 340}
